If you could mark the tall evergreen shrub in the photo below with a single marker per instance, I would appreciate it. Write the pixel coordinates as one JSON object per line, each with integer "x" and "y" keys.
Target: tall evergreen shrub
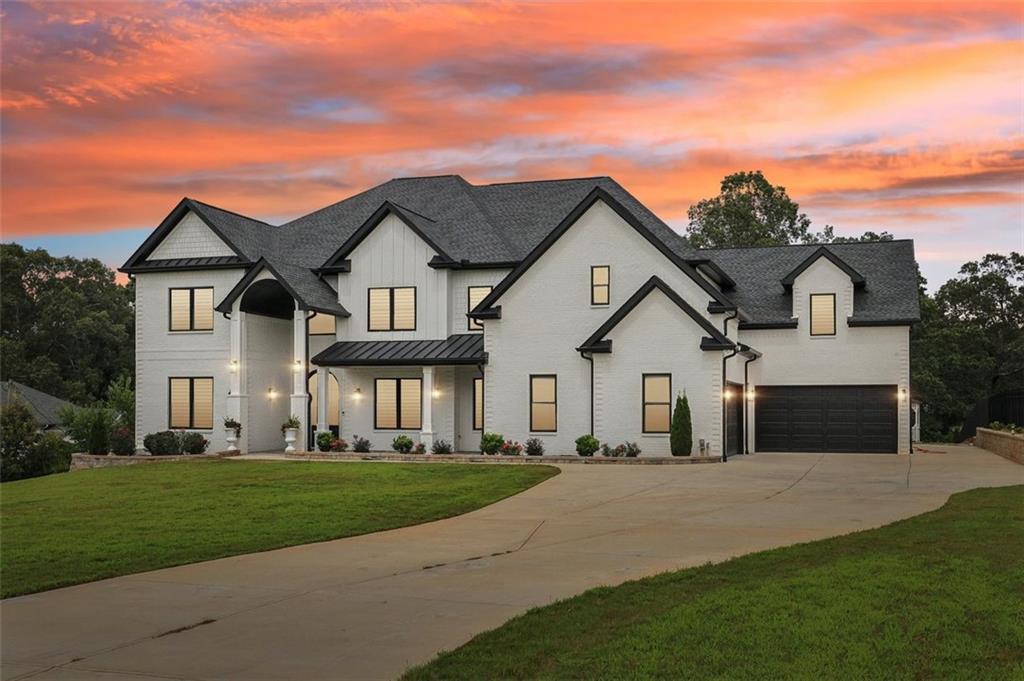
{"x": 681, "y": 437}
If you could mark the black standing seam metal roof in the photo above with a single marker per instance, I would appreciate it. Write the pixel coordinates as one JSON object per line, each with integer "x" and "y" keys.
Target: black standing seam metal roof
{"x": 463, "y": 348}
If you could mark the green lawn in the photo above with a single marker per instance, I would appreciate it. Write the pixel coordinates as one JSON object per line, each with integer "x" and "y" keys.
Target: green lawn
{"x": 87, "y": 525}
{"x": 938, "y": 596}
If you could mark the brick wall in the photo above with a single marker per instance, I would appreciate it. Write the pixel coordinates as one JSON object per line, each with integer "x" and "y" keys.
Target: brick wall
{"x": 1006, "y": 445}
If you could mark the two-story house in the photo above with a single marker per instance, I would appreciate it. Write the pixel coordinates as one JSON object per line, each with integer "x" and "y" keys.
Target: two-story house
{"x": 440, "y": 309}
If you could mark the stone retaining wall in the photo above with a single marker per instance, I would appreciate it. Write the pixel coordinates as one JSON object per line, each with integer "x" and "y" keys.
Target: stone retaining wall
{"x": 85, "y": 461}
{"x": 1006, "y": 445}
{"x": 498, "y": 458}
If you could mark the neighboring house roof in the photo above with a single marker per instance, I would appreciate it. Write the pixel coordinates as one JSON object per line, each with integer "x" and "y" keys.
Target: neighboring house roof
{"x": 465, "y": 348}
{"x": 45, "y": 408}
{"x": 597, "y": 342}
{"x": 508, "y": 225}
{"x": 887, "y": 267}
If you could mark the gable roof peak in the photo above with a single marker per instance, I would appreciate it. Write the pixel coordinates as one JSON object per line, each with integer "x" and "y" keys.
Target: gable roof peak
{"x": 824, "y": 252}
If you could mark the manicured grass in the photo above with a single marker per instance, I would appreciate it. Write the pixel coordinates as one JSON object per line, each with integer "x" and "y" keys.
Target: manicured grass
{"x": 87, "y": 525}
{"x": 937, "y": 596}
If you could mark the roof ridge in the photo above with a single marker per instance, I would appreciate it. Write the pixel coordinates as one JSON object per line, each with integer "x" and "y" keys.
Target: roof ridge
{"x": 554, "y": 179}
{"x": 840, "y": 243}
{"x": 231, "y": 212}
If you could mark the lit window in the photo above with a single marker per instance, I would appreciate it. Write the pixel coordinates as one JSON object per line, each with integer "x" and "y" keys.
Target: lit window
{"x": 191, "y": 309}
{"x": 476, "y": 294}
{"x": 543, "y": 404}
{"x": 191, "y": 403}
{"x": 478, "y": 404}
{"x": 392, "y": 309}
{"x": 321, "y": 324}
{"x": 600, "y": 285}
{"x": 823, "y": 314}
{"x": 398, "y": 404}
{"x": 657, "y": 403}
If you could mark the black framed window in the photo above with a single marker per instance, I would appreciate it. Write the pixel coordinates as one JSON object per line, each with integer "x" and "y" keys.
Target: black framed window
{"x": 391, "y": 308}
{"x": 543, "y": 403}
{"x": 474, "y": 295}
{"x": 823, "y": 314}
{"x": 600, "y": 284}
{"x": 478, "y": 404}
{"x": 190, "y": 402}
{"x": 657, "y": 403}
{"x": 397, "y": 403}
{"x": 190, "y": 309}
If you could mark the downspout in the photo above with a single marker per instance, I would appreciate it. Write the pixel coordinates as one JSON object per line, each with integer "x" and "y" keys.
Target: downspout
{"x": 746, "y": 402}
{"x": 725, "y": 358}
{"x": 589, "y": 356}
{"x": 725, "y": 322}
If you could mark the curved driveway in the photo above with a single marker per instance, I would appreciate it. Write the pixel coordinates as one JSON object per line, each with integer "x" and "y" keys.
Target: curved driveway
{"x": 368, "y": 607}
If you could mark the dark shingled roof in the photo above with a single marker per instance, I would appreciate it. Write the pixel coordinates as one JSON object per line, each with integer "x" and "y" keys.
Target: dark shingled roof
{"x": 45, "y": 408}
{"x": 464, "y": 348}
{"x": 499, "y": 224}
{"x": 889, "y": 294}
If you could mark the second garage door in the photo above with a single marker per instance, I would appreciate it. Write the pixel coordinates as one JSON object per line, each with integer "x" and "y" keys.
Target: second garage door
{"x": 799, "y": 418}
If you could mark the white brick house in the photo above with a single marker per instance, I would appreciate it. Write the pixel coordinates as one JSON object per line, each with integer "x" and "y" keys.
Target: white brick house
{"x": 439, "y": 309}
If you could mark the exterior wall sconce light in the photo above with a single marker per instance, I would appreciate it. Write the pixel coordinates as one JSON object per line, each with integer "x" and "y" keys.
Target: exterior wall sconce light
{"x": 750, "y": 394}
{"x": 233, "y": 367}
{"x": 297, "y": 366}
{"x": 902, "y": 394}
{"x": 435, "y": 394}
{"x": 358, "y": 394}
{"x": 271, "y": 392}
{"x": 727, "y": 395}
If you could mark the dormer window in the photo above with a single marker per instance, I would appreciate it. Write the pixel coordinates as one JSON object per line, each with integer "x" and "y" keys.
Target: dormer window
{"x": 823, "y": 314}
{"x": 600, "y": 284}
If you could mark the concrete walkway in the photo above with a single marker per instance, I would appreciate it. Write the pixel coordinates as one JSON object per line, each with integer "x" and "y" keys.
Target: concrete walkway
{"x": 368, "y": 607}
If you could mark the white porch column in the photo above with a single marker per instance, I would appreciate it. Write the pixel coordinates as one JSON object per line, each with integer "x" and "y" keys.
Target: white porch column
{"x": 323, "y": 382}
{"x": 427, "y": 426}
{"x": 237, "y": 402}
{"x": 299, "y": 398}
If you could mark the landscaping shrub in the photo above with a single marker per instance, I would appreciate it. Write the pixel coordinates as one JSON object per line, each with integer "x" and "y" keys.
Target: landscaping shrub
{"x": 24, "y": 451}
{"x": 490, "y": 443}
{"x": 193, "y": 443}
{"x": 586, "y": 445}
{"x": 534, "y": 447}
{"x": 323, "y": 440}
{"x": 1006, "y": 427}
{"x": 122, "y": 441}
{"x": 510, "y": 448}
{"x": 441, "y": 447}
{"x": 163, "y": 443}
{"x": 339, "y": 445}
{"x": 89, "y": 428}
{"x": 420, "y": 448}
{"x": 681, "y": 434}
{"x": 616, "y": 451}
{"x": 360, "y": 444}
{"x": 402, "y": 443}
{"x": 632, "y": 450}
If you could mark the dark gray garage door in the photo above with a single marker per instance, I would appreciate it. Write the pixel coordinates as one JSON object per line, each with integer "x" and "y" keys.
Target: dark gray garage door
{"x": 849, "y": 418}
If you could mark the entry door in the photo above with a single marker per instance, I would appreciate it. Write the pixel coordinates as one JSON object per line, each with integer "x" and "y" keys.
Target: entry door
{"x": 847, "y": 418}
{"x": 734, "y": 420}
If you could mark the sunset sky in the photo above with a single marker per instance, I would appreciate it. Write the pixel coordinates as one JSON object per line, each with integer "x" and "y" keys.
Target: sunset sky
{"x": 881, "y": 116}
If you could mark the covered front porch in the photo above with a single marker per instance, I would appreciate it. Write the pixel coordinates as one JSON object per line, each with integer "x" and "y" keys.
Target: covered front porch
{"x": 428, "y": 390}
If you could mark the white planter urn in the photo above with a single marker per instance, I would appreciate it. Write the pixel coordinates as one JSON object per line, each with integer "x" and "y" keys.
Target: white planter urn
{"x": 232, "y": 438}
{"x": 290, "y": 436}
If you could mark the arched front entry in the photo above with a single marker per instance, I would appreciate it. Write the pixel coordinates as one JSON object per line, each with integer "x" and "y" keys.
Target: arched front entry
{"x": 333, "y": 405}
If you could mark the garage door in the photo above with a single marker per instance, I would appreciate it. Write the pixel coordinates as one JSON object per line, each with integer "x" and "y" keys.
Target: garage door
{"x": 849, "y": 418}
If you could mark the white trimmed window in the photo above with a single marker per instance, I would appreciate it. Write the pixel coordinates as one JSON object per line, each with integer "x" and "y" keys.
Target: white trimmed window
{"x": 657, "y": 403}
{"x": 823, "y": 314}
{"x": 190, "y": 402}
{"x": 475, "y": 295}
{"x": 397, "y": 404}
{"x": 392, "y": 309}
{"x": 600, "y": 284}
{"x": 191, "y": 309}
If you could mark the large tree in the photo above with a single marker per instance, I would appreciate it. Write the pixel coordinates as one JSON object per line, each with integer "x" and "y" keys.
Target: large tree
{"x": 67, "y": 326}
{"x": 970, "y": 342}
{"x": 751, "y": 211}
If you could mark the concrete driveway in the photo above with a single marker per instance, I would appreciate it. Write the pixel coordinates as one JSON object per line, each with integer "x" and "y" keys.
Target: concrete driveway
{"x": 368, "y": 607}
